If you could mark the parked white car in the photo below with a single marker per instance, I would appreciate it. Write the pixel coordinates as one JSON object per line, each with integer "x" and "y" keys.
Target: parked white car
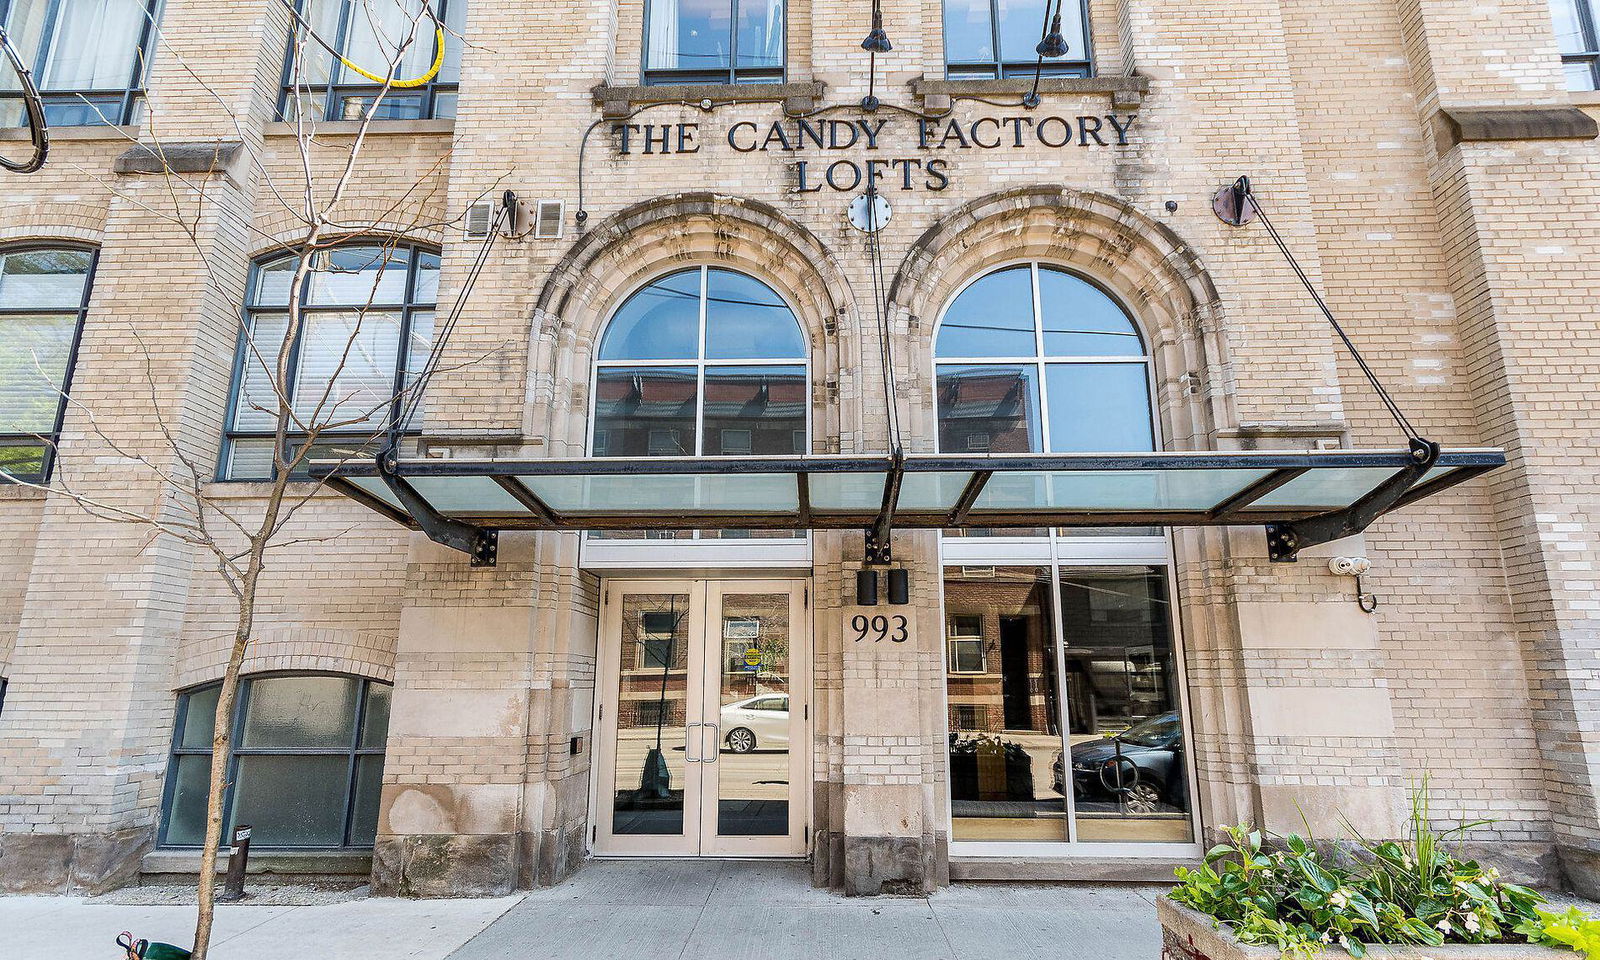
{"x": 760, "y": 722}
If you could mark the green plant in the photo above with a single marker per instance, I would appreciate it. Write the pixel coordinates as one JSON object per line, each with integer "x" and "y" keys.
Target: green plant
{"x": 1569, "y": 928}
{"x": 1409, "y": 891}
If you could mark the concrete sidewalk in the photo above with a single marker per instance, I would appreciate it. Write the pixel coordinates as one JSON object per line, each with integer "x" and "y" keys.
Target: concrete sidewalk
{"x": 70, "y": 928}
{"x": 708, "y": 910}
{"x": 665, "y": 910}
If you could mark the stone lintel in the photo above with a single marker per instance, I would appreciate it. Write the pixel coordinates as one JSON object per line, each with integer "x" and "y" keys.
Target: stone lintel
{"x": 1455, "y": 126}
{"x": 206, "y": 157}
{"x": 617, "y": 102}
{"x": 1126, "y": 93}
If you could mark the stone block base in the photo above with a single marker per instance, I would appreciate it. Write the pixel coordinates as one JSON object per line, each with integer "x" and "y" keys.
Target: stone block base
{"x": 445, "y": 865}
{"x": 894, "y": 866}
{"x": 63, "y": 863}
{"x": 550, "y": 856}
{"x": 1580, "y": 869}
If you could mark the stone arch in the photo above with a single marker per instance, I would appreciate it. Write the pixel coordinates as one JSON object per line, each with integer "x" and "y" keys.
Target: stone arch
{"x": 649, "y": 239}
{"x": 1157, "y": 277}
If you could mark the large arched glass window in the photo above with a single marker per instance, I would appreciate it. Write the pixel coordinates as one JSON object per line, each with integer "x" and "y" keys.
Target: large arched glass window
{"x": 701, "y": 362}
{"x": 44, "y": 294}
{"x": 305, "y": 767}
{"x": 366, "y": 331}
{"x": 1034, "y": 359}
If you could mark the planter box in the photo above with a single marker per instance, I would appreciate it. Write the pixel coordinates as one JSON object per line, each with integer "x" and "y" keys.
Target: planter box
{"x": 1189, "y": 935}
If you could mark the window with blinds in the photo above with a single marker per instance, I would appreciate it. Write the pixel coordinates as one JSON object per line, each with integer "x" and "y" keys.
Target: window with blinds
{"x": 365, "y": 331}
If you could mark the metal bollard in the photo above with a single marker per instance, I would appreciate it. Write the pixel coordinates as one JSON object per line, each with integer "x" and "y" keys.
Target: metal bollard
{"x": 238, "y": 857}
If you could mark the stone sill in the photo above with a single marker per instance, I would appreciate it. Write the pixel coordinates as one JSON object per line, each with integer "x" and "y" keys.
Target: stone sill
{"x": 617, "y": 102}
{"x": 1455, "y": 126}
{"x": 445, "y": 126}
{"x": 301, "y": 862}
{"x": 97, "y": 131}
{"x": 1126, "y": 92}
{"x": 1193, "y": 934}
{"x": 1083, "y": 869}
{"x": 19, "y": 491}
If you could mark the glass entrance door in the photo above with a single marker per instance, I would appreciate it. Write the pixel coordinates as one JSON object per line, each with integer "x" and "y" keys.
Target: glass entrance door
{"x": 703, "y": 719}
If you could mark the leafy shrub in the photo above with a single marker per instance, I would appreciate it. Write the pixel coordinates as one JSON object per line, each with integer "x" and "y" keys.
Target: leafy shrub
{"x": 1569, "y": 928}
{"x": 1410, "y": 891}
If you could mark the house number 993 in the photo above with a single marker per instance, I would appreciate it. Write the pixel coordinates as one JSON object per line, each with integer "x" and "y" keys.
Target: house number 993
{"x": 880, "y": 628}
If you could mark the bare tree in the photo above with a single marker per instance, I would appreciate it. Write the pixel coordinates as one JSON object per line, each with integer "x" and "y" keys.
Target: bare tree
{"x": 337, "y": 422}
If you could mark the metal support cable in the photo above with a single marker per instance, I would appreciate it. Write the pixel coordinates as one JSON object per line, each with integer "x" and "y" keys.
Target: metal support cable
{"x": 1387, "y": 399}
{"x": 442, "y": 335}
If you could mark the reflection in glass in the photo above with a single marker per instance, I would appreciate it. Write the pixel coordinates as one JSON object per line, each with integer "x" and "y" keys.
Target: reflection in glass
{"x": 993, "y": 408}
{"x": 991, "y": 318}
{"x": 972, "y": 26}
{"x": 1079, "y": 320}
{"x": 1125, "y": 727}
{"x": 759, "y": 411}
{"x": 714, "y": 41}
{"x": 645, "y": 412}
{"x": 660, "y": 322}
{"x": 1099, "y": 407}
{"x": 1004, "y": 714}
{"x": 746, "y": 320}
{"x": 754, "y": 722}
{"x": 651, "y": 715}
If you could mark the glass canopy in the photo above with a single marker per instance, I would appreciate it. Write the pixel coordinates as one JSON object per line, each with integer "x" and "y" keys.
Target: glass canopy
{"x": 920, "y": 492}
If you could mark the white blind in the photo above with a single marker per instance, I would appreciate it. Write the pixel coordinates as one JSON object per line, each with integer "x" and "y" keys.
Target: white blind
{"x": 33, "y": 366}
{"x": 346, "y": 369}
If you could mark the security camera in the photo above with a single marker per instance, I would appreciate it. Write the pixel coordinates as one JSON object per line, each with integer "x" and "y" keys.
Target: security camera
{"x": 1349, "y": 566}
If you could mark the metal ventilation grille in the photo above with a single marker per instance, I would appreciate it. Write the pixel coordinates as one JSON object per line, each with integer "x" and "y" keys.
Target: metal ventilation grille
{"x": 547, "y": 225}
{"x": 479, "y": 218}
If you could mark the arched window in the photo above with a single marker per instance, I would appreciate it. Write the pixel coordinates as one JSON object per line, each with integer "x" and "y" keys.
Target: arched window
{"x": 44, "y": 294}
{"x": 701, "y": 362}
{"x": 366, "y": 329}
{"x": 1034, "y": 359}
{"x": 305, "y": 767}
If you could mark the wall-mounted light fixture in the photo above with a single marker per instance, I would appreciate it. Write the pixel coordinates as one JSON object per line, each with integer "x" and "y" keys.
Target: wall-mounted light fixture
{"x": 866, "y": 588}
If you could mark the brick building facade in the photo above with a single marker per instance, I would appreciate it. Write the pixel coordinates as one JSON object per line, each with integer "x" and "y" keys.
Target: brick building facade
{"x": 1427, "y": 160}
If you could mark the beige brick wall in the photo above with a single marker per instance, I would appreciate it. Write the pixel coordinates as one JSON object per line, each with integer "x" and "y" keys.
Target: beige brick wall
{"x": 1466, "y": 275}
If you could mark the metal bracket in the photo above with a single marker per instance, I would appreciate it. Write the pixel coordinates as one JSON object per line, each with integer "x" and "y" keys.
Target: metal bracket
{"x": 1234, "y": 204}
{"x": 483, "y": 546}
{"x": 878, "y": 536}
{"x": 1286, "y": 540}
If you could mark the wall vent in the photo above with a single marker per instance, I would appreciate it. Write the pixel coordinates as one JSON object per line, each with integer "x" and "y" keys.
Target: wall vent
{"x": 551, "y": 215}
{"x": 479, "y": 218}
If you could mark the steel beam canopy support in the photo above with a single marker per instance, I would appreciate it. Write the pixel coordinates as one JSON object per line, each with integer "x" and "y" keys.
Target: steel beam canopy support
{"x": 482, "y": 546}
{"x": 1286, "y": 540}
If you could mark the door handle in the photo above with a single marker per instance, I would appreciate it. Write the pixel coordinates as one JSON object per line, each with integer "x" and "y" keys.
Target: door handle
{"x": 688, "y": 735}
{"x": 716, "y": 742}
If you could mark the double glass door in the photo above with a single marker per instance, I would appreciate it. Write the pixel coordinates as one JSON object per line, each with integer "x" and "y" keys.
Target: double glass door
{"x": 703, "y": 719}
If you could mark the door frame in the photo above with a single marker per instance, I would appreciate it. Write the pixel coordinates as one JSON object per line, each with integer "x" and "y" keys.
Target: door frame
{"x": 706, "y": 595}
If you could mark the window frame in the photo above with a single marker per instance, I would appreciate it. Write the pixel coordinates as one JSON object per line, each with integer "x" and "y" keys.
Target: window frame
{"x": 733, "y": 75}
{"x": 51, "y": 440}
{"x": 247, "y": 317}
{"x": 333, "y": 91}
{"x": 1000, "y": 68}
{"x": 1589, "y": 56}
{"x": 1041, "y": 360}
{"x": 236, "y": 729}
{"x": 130, "y": 96}
{"x": 953, "y": 639}
{"x": 700, "y": 363}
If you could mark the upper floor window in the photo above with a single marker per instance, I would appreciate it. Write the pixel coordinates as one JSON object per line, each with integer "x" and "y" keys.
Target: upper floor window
{"x": 713, "y": 41}
{"x": 702, "y": 362}
{"x": 87, "y": 56}
{"x": 369, "y": 34}
{"x": 365, "y": 332}
{"x": 1034, "y": 359}
{"x": 1576, "y": 35}
{"x": 44, "y": 293}
{"x": 991, "y": 39}
{"x": 305, "y": 766}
